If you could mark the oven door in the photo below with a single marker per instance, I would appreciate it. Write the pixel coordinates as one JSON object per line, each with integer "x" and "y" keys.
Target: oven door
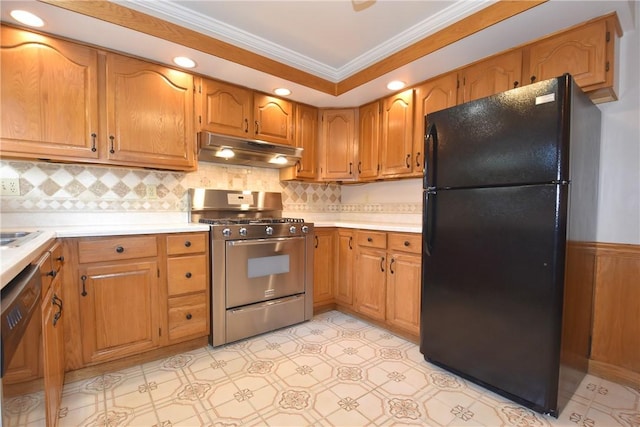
{"x": 263, "y": 269}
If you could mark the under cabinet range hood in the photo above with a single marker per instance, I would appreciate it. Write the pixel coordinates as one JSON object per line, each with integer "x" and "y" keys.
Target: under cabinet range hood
{"x": 224, "y": 149}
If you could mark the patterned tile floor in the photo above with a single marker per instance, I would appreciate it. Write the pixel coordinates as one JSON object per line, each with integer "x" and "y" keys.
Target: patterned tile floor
{"x": 332, "y": 371}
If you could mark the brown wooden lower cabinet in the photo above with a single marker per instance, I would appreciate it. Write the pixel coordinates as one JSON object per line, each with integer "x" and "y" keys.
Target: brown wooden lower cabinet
{"x": 323, "y": 267}
{"x": 131, "y": 294}
{"x": 615, "y": 341}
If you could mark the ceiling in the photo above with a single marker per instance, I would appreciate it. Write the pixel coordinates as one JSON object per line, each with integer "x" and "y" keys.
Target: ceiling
{"x": 330, "y": 53}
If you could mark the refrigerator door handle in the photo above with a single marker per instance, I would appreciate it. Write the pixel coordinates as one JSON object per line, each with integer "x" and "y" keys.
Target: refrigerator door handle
{"x": 429, "y": 221}
{"x": 430, "y": 145}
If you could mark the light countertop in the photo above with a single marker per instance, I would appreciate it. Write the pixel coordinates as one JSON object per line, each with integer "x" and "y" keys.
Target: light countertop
{"x": 377, "y": 226}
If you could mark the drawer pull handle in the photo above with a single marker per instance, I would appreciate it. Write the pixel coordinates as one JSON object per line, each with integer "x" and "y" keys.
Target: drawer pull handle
{"x": 382, "y": 264}
{"x": 406, "y": 243}
{"x": 189, "y": 316}
{"x": 187, "y": 244}
{"x": 93, "y": 142}
{"x": 188, "y": 275}
{"x": 391, "y": 266}
{"x": 112, "y": 149}
{"x": 119, "y": 249}
{"x": 350, "y": 245}
{"x": 369, "y": 239}
{"x": 84, "y": 289}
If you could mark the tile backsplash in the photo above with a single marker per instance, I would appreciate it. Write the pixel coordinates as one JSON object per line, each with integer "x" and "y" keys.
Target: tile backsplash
{"x": 89, "y": 189}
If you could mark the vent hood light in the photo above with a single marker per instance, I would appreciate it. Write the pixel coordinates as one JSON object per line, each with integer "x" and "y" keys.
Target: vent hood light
{"x": 183, "y": 61}
{"x": 279, "y": 160}
{"x": 396, "y": 85}
{"x": 27, "y": 18}
{"x": 225, "y": 153}
{"x": 282, "y": 91}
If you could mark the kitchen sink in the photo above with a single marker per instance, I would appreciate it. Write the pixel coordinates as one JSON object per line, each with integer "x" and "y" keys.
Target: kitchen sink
{"x": 14, "y": 239}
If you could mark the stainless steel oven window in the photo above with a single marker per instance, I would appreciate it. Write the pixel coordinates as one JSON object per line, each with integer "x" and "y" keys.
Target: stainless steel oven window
{"x": 266, "y": 266}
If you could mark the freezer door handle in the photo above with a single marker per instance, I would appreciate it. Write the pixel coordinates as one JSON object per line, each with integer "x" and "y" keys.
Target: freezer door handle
{"x": 429, "y": 221}
{"x": 430, "y": 145}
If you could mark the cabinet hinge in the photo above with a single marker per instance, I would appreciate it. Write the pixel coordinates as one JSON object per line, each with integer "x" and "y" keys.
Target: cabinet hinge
{"x": 608, "y": 38}
{"x": 158, "y": 272}
{"x": 606, "y": 66}
{"x": 457, "y": 84}
{"x": 589, "y": 349}
{"x": 159, "y": 332}
{"x": 199, "y": 120}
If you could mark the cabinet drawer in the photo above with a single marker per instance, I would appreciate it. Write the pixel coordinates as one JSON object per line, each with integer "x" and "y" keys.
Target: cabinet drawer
{"x": 372, "y": 239}
{"x": 405, "y": 243}
{"x": 117, "y": 248}
{"x": 188, "y": 316}
{"x": 187, "y": 274}
{"x": 187, "y": 243}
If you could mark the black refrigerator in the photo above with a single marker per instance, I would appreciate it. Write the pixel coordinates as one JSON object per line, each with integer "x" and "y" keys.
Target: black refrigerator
{"x": 510, "y": 188}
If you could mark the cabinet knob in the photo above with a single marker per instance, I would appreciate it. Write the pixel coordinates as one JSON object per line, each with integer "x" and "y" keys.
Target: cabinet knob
{"x": 406, "y": 243}
{"x": 60, "y": 258}
{"x": 369, "y": 239}
{"x": 188, "y": 275}
{"x": 187, "y": 244}
{"x": 189, "y": 316}
{"x": 119, "y": 249}
{"x": 52, "y": 273}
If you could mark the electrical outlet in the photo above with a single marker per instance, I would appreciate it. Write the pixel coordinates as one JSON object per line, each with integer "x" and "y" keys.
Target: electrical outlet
{"x": 152, "y": 191}
{"x": 10, "y": 187}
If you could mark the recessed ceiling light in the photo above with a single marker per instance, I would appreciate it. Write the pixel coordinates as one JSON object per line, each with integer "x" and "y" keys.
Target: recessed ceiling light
{"x": 27, "y": 18}
{"x": 396, "y": 85}
{"x": 183, "y": 61}
{"x": 282, "y": 91}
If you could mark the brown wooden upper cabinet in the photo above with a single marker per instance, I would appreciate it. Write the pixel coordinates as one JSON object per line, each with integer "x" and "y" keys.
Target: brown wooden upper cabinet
{"x": 338, "y": 145}
{"x": 431, "y": 96}
{"x": 306, "y": 137}
{"x": 237, "y": 111}
{"x": 149, "y": 114}
{"x": 396, "y": 153}
{"x": 52, "y": 103}
{"x": 369, "y": 141}
{"x": 587, "y": 52}
{"x": 41, "y": 117}
{"x": 490, "y": 76}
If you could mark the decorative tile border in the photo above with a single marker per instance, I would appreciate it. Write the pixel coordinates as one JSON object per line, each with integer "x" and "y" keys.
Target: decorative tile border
{"x": 65, "y": 188}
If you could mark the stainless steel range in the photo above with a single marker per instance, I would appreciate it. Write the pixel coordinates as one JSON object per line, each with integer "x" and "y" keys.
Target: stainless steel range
{"x": 261, "y": 263}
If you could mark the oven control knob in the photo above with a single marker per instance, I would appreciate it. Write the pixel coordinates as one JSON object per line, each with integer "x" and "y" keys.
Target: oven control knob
{"x": 305, "y": 229}
{"x": 269, "y": 230}
{"x": 226, "y": 232}
{"x": 292, "y": 229}
{"x": 243, "y": 231}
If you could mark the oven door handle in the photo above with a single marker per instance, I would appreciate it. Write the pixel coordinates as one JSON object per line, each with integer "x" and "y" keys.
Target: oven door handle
{"x": 251, "y": 242}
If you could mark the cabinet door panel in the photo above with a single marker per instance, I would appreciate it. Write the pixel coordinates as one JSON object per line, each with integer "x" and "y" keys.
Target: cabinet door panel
{"x": 431, "y": 96}
{"x": 397, "y": 134}
{"x": 323, "y": 267}
{"x": 40, "y": 115}
{"x": 369, "y": 141}
{"x": 273, "y": 119}
{"x": 307, "y": 139}
{"x": 227, "y": 109}
{"x": 403, "y": 292}
{"x": 53, "y": 348}
{"x": 370, "y": 283}
{"x": 344, "y": 268}
{"x": 491, "y": 76}
{"x": 581, "y": 52}
{"x": 118, "y": 316}
{"x": 338, "y": 139}
{"x": 150, "y": 114}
